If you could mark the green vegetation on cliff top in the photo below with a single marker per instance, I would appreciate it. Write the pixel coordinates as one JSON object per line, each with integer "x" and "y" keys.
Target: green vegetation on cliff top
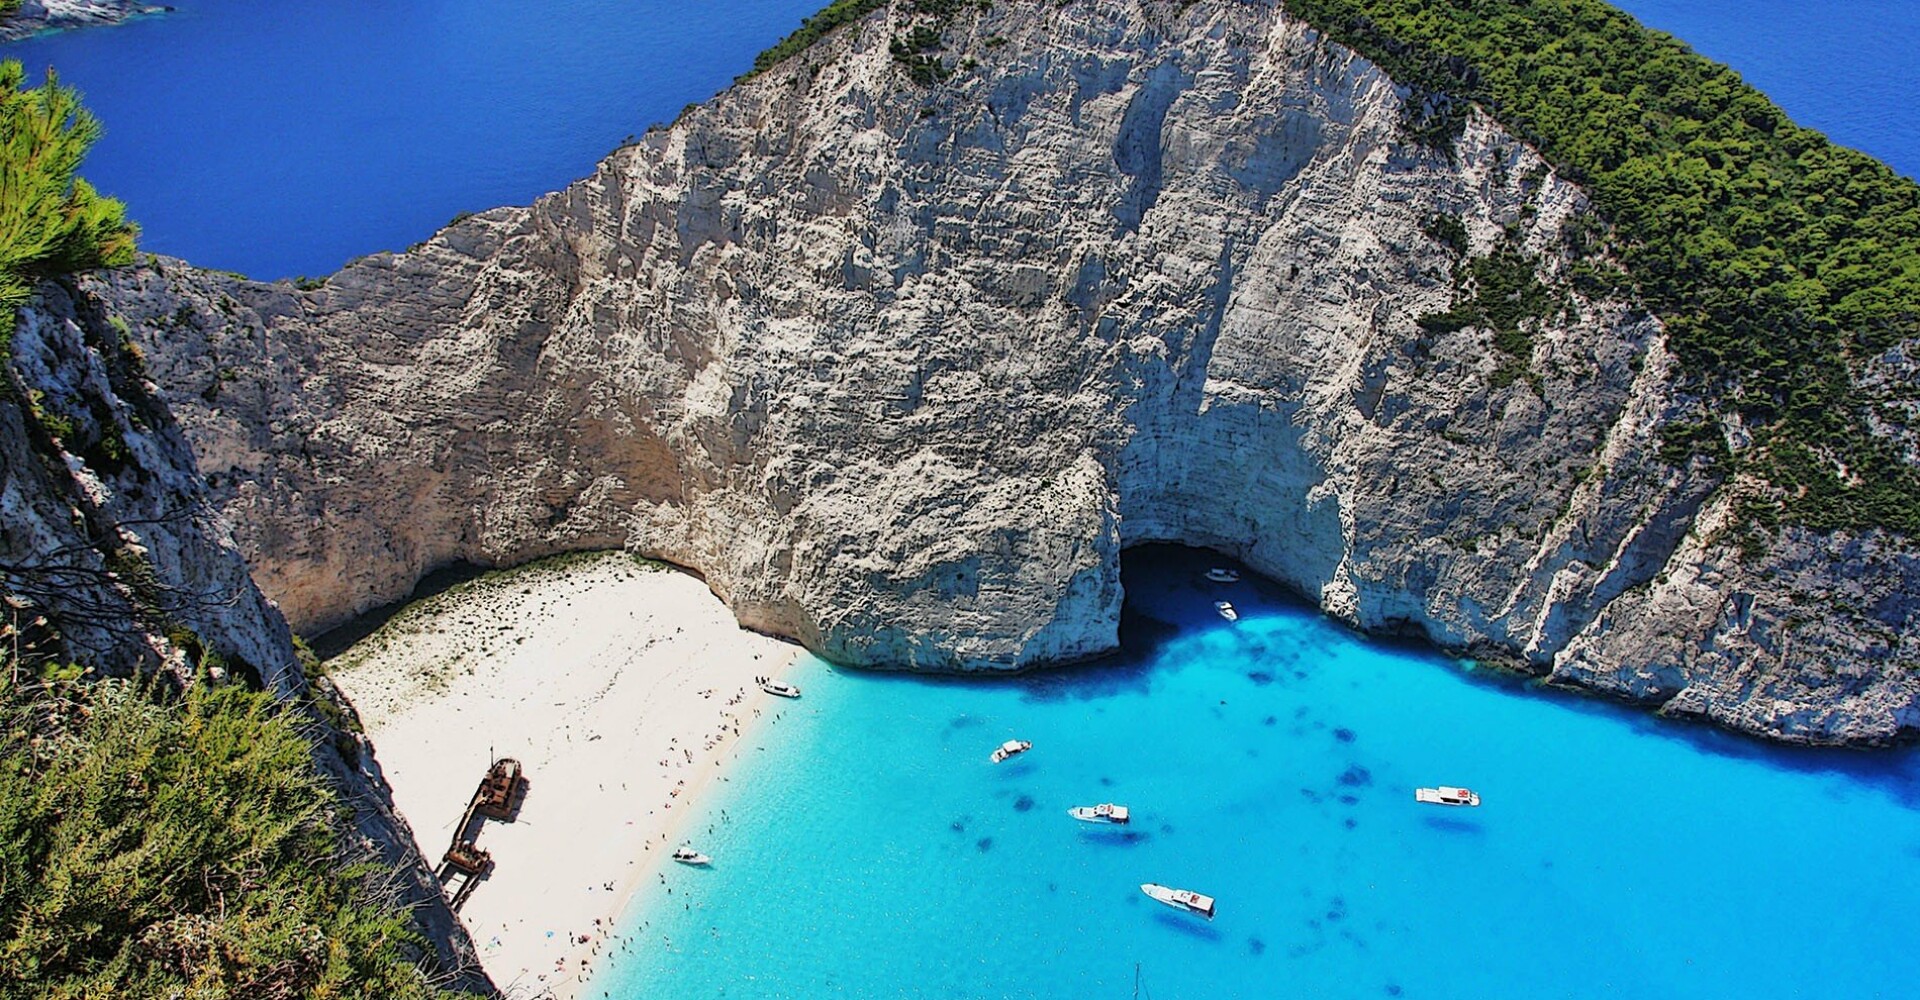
{"x": 1778, "y": 261}
{"x": 914, "y": 52}
{"x": 51, "y": 222}
{"x": 180, "y": 846}
{"x": 811, "y": 30}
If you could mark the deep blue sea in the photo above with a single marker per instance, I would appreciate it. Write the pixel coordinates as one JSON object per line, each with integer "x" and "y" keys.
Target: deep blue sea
{"x": 283, "y": 137}
{"x": 869, "y": 850}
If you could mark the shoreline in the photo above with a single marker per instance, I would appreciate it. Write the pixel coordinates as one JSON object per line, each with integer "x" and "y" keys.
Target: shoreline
{"x": 623, "y": 687}
{"x": 671, "y": 832}
{"x": 47, "y": 17}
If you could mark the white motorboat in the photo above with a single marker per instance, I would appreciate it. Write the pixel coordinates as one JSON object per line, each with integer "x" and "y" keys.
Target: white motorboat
{"x": 1221, "y": 574}
{"x": 1447, "y": 795}
{"x": 1105, "y": 812}
{"x": 1180, "y": 899}
{"x": 1009, "y": 749}
{"x": 1226, "y": 611}
{"x": 777, "y": 688}
{"x": 689, "y": 856}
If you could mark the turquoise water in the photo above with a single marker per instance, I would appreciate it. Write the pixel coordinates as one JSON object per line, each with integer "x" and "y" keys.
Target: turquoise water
{"x": 277, "y": 137}
{"x": 869, "y": 850}
{"x": 282, "y": 138}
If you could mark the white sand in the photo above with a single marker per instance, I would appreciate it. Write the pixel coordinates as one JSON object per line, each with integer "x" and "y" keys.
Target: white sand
{"x": 617, "y": 686}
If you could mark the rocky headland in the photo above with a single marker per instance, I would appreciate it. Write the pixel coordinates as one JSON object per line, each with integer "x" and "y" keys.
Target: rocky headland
{"x": 902, "y": 369}
{"x": 36, "y": 16}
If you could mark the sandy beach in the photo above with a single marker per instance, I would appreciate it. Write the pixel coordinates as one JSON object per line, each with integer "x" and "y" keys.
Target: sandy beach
{"x": 621, "y": 687}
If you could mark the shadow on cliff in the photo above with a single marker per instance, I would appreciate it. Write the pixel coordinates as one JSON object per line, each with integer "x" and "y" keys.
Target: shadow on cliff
{"x": 1166, "y": 596}
{"x": 1169, "y": 600}
{"x": 337, "y": 640}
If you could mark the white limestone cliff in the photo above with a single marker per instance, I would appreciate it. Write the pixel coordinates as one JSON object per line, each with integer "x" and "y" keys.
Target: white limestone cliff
{"x": 901, "y": 370}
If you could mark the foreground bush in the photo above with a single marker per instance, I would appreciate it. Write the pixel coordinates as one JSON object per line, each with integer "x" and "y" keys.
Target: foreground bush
{"x": 180, "y": 846}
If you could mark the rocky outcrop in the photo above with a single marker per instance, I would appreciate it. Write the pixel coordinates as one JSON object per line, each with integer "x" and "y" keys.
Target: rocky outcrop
{"x": 901, "y": 371}
{"x": 104, "y": 520}
{"x": 36, "y": 16}
{"x": 113, "y": 558}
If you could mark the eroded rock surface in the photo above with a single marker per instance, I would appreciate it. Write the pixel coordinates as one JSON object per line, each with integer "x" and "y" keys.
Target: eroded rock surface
{"x": 902, "y": 370}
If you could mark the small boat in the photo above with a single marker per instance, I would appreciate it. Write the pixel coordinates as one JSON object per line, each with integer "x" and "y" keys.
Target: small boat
{"x": 1180, "y": 899}
{"x": 1447, "y": 795}
{"x": 1105, "y": 812}
{"x": 777, "y": 688}
{"x": 689, "y": 856}
{"x": 1226, "y": 611}
{"x": 1221, "y": 574}
{"x": 1010, "y": 748}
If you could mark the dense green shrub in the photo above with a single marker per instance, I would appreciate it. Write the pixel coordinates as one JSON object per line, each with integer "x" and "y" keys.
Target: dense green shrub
{"x": 155, "y": 846}
{"x": 917, "y": 54}
{"x": 1448, "y": 231}
{"x": 51, "y": 222}
{"x": 1777, "y": 260}
{"x": 1499, "y": 292}
{"x": 811, "y": 30}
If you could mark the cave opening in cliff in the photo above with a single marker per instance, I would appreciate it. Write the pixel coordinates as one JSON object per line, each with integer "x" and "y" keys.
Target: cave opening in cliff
{"x": 1168, "y": 589}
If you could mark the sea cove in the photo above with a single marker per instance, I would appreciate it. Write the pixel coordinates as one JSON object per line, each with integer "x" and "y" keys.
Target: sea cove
{"x": 866, "y": 848}
{"x": 1506, "y": 329}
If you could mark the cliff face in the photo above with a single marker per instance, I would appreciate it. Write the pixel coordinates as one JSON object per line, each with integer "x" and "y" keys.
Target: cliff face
{"x": 902, "y": 370}
{"x": 113, "y": 557}
{"x": 104, "y": 520}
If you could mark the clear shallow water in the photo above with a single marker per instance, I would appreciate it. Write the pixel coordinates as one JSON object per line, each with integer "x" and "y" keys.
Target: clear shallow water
{"x": 869, "y": 850}
{"x": 1845, "y": 67}
{"x": 1616, "y": 855}
{"x": 282, "y": 138}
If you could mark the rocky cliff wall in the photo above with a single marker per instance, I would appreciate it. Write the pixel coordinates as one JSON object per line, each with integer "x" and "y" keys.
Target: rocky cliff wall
{"x": 113, "y": 557}
{"x": 902, "y": 369}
